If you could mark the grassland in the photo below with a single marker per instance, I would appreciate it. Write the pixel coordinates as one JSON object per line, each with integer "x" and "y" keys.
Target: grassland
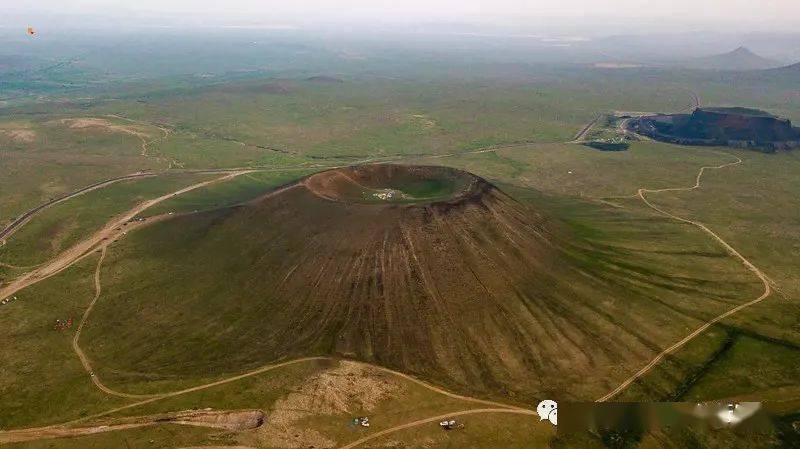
{"x": 61, "y": 153}
{"x": 602, "y": 243}
{"x": 761, "y": 341}
{"x": 63, "y": 224}
{"x": 174, "y": 314}
{"x": 239, "y": 190}
{"x": 61, "y": 389}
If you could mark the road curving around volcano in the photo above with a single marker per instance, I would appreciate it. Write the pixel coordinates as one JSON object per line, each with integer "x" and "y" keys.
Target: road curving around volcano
{"x": 112, "y": 230}
{"x": 767, "y": 283}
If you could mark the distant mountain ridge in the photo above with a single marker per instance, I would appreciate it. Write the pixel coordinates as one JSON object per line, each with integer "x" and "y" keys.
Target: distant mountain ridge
{"x": 794, "y": 68}
{"x": 740, "y": 59}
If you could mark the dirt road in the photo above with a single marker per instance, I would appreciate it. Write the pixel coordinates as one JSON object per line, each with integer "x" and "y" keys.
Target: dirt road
{"x": 110, "y": 231}
{"x": 98, "y": 288}
{"x": 145, "y": 143}
{"x": 449, "y": 394}
{"x": 730, "y": 249}
{"x": 20, "y": 221}
{"x": 585, "y": 130}
{"x": 434, "y": 419}
{"x": 99, "y": 242}
{"x": 272, "y": 367}
{"x": 79, "y": 352}
{"x": 231, "y": 420}
{"x": 64, "y": 428}
{"x": 23, "y": 219}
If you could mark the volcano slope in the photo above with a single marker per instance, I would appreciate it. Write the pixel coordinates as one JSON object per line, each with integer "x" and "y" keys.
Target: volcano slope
{"x": 448, "y": 278}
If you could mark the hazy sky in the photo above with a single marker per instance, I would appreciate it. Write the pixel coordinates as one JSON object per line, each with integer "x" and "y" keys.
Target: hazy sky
{"x": 739, "y": 15}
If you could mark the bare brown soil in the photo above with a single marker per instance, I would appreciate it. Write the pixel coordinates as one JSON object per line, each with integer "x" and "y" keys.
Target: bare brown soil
{"x": 218, "y": 447}
{"x": 237, "y": 420}
{"x": 377, "y": 383}
{"x": 347, "y": 388}
{"x": 227, "y": 420}
{"x": 19, "y": 135}
{"x": 91, "y": 122}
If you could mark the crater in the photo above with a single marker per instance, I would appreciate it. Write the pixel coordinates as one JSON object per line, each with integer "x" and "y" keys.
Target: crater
{"x": 395, "y": 184}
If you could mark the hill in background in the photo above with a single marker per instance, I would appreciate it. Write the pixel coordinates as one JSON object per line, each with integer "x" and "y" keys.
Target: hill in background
{"x": 789, "y": 69}
{"x": 740, "y": 59}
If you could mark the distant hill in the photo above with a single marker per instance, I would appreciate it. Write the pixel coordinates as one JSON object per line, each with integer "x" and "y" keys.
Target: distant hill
{"x": 794, "y": 68}
{"x": 787, "y": 76}
{"x": 740, "y": 59}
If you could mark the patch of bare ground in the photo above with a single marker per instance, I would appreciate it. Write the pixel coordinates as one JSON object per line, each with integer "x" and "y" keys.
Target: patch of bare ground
{"x": 99, "y": 123}
{"x": 217, "y": 419}
{"x": 349, "y": 387}
{"x": 237, "y": 420}
{"x": 218, "y": 447}
{"x": 19, "y": 135}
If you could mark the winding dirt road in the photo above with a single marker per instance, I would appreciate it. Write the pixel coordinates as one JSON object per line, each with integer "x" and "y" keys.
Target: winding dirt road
{"x": 231, "y": 420}
{"x": 730, "y": 249}
{"x": 110, "y": 231}
{"x": 433, "y": 419}
{"x": 64, "y": 429}
{"x": 24, "y": 218}
{"x": 96, "y": 244}
{"x": 145, "y": 143}
{"x": 20, "y": 221}
{"x": 641, "y": 193}
{"x": 449, "y": 394}
{"x": 79, "y": 352}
